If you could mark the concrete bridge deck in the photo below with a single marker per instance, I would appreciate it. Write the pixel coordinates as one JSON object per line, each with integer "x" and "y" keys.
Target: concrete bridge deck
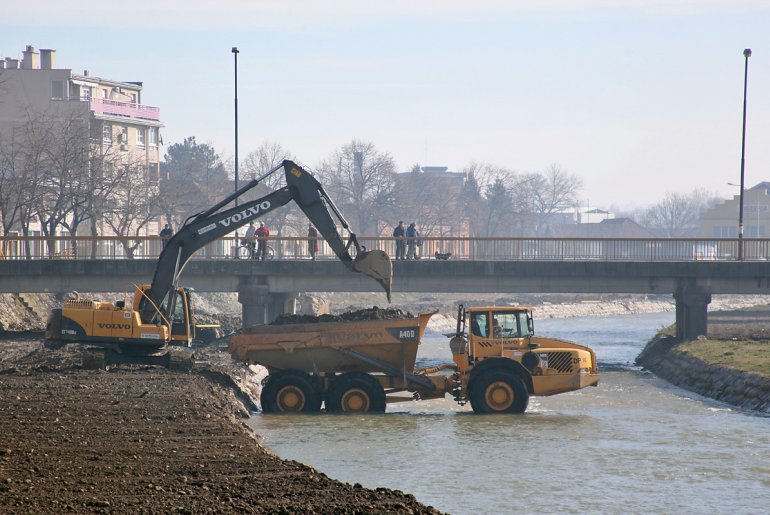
{"x": 265, "y": 286}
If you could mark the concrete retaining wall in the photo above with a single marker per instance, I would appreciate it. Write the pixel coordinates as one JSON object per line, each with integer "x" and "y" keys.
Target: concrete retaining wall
{"x": 741, "y": 389}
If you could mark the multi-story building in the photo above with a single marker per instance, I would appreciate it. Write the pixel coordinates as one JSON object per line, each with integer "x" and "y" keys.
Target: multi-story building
{"x": 118, "y": 123}
{"x": 721, "y": 221}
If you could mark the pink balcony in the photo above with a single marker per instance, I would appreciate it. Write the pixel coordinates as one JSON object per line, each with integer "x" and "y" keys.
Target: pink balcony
{"x": 117, "y": 108}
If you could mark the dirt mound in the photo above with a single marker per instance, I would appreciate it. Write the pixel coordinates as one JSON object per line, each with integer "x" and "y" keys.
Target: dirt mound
{"x": 138, "y": 439}
{"x": 373, "y": 313}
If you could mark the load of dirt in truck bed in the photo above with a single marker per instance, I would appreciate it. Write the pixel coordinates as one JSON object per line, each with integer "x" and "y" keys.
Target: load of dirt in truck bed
{"x": 373, "y": 313}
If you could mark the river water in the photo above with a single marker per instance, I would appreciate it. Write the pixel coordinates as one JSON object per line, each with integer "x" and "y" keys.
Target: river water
{"x": 634, "y": 444}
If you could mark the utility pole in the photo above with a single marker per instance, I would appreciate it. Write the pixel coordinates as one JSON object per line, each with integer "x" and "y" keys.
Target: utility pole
{"x": 746, "y": 55}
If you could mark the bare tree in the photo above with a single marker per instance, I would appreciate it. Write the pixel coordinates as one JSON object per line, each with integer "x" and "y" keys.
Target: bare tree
{"x": 361, "y": 181}
{"x": 552, "y": 191}
{"x": 677, "y": 215}
{"x": 66, "y": 163}
{"x": 433, "y": 200}
{"x": 259, "y": 161}
{"x": 131, "y": 205}
{"x": 17, "y": 185}
{"x": 24, "y": 157}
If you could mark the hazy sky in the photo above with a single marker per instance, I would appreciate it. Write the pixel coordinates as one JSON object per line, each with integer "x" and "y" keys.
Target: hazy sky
{"x": 637, "y": 97}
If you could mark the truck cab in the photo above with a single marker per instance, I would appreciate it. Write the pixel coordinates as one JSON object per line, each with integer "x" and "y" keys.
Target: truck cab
{"x": 501, "y": 362}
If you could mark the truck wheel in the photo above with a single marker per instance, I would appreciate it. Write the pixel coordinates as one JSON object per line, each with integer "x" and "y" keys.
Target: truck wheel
{"x": 290, "y": 391}
{"x": 355, "y": 392}
{"x": 498, "y": 391}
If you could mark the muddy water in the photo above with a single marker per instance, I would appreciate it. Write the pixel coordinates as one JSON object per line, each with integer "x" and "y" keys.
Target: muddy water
{"x": 634, "y": 444}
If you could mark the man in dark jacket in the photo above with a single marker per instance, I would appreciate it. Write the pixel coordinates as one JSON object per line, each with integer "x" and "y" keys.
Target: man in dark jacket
{"x": 166, "y": 234}
{"x": 312, "y": 241}
{"x": 398, "y": 233}
{"x": 262, "y": 234}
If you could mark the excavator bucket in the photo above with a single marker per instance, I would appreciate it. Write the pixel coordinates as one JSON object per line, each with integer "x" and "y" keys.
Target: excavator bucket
{"x": 377, "y": 265}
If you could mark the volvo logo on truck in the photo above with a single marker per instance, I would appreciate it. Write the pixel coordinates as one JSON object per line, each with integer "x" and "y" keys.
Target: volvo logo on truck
{"x": 114, "y": 326}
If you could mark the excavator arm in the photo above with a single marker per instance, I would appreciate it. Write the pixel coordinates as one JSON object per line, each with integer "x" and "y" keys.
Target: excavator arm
{"x": 204, "y": 228}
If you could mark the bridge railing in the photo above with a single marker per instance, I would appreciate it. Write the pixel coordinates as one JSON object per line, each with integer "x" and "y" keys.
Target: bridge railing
{"x": 499, "y": 249}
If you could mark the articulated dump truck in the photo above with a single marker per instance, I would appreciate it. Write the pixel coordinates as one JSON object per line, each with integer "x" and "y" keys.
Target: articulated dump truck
{"x": 360, "y": 366}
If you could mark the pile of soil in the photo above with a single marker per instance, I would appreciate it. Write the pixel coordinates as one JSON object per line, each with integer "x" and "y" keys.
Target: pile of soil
{"x": 147, "y": 439}
{"x": 373, "y": 313}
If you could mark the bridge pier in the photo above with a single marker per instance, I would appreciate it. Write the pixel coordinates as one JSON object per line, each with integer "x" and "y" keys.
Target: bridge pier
{"x": 691, "y": 311}
{"x": 258, "y": 305}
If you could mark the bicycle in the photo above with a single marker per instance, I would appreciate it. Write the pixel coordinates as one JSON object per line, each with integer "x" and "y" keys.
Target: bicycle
{"x": 248, "y": 250}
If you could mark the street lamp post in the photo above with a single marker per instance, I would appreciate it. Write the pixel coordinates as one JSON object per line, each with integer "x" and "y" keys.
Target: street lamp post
{"x": 746, "y": 55}
{"x": 235, "y": 56}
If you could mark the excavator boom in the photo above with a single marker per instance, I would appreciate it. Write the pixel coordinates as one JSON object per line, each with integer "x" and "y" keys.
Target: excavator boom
{"x": 302, "y": 188}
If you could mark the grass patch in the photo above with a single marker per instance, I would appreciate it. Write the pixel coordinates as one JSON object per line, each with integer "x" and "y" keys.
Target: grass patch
{"x": 747, "y": 356}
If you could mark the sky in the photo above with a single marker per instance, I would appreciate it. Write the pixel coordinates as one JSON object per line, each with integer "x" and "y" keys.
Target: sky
{"x": 638, "y": 98}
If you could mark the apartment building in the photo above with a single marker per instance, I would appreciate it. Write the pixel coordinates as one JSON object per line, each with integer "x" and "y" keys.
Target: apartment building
{"x": 119, "y": 125}
{"x": 114, "y": 108}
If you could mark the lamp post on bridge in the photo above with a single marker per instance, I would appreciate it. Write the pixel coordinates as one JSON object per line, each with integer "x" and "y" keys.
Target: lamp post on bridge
{"x": 235, "y": 55}
{"x": 746, "y": 55}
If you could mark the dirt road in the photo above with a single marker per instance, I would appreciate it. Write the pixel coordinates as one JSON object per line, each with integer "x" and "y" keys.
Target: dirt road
{"x": 146, "y": 439}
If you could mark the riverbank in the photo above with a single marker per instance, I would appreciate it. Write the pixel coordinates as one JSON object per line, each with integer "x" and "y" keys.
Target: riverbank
{"x": 151, "y": 440}
{"x": 731, "y": 364}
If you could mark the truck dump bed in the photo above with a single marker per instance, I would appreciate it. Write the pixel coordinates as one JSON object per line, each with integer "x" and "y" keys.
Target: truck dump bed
{"x": 333, "y": 347}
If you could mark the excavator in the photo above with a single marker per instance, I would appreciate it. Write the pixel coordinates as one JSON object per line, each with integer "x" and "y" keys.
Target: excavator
{"x": 161, "y": 313}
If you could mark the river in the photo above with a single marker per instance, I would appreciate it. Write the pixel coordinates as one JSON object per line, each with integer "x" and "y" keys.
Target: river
{"x": 634, "y": 444}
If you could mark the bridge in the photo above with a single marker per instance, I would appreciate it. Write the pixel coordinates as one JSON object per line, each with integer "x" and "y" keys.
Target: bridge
{"x": 691, "y": 270}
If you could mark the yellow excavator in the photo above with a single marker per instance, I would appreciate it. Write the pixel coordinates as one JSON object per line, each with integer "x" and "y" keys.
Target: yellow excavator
{"x": 161, "y": 312}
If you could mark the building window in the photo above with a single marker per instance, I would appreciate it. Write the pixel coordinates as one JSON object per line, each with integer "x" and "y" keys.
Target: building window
{"x": 104, "y": 94}
{"x": 123, "y": 137}
{"x": 153, "y": 136}
{"x": 86, "y": 90}
{"x": 107, "y": 133}
{"x": 57, "y": 90}
{"x": 153, "y": 176}
{"x": 140, "y": 137}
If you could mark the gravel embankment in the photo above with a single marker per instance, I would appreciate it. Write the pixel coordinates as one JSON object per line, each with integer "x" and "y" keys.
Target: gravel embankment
{"x": 147, "y": 439}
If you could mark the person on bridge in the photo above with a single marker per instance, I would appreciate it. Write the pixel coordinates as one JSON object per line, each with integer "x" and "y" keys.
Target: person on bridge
{"x": 262, "y": 234}
{"x": 251, "y": 239}
{"x": 166, "y": 234}
{"x": 413, "y": 241}
{"x": 312, "y": 241}
{"x": 398, "y": 233}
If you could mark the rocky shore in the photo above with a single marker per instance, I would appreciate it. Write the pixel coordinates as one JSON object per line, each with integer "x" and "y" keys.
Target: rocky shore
{"x": 744, "y": 390}
{"x": 719, "y": 377}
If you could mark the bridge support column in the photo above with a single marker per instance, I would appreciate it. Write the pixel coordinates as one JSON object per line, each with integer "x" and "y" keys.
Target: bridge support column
{"x": 259, "y": 306}
{"x": 691, "y": 311}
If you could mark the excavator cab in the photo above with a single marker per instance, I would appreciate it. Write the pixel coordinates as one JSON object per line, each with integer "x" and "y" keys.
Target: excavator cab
{"x": 179, "y": 318}
{"x": 182, "y": 318}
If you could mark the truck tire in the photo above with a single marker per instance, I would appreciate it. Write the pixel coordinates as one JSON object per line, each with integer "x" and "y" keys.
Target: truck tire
{"x": 290, "y": 391}
{"x": 498, "y": 391}
{"x": 355, "y": 392}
